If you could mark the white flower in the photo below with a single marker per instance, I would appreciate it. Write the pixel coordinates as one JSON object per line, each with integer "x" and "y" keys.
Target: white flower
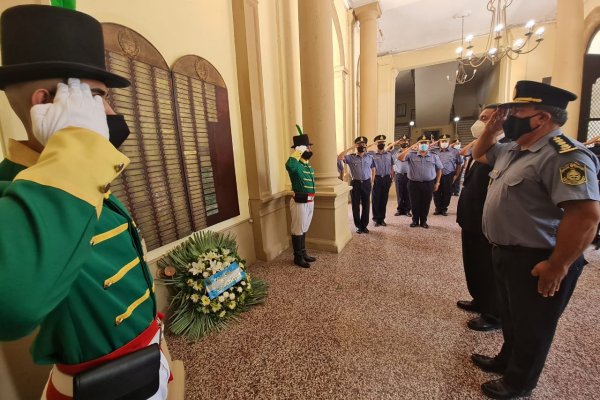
{"x": 190, "y": 282}
{"x": 206, "y": 274}
{"x": 226, "y": 251}
{"x": 195, "y": 270}
{"x": 232, "y": 296}
{"x": 240, "y": 290}
{"x": 221, "y": 299}
{"x": 242, "y": 265}
{"x": 195, "y": 298}
{"x": 226, "y": 294}
{"x": 243, "y": 283}
{"x": 205, "y": 300}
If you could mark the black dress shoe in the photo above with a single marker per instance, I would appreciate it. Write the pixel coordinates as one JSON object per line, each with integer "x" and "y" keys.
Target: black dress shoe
{"x": 408, "y": 214}
{"x": 365, "y": 230}
{"x": 398, "y": 213}
{"x": 497, "y": 389}
{"x": 414, "y": 225}
{"x": 445, "y": 213}
{"x": 358, "y": 230}
{"x": 382, "y": 223}
{"x": 488, "y": 364}
{"x": 483, "y": 325}
{"x": 377, "y": 224}
{"x": 436, "y": 212}
{"x": 468, "y": 305}
{"x": 424, "y": 225}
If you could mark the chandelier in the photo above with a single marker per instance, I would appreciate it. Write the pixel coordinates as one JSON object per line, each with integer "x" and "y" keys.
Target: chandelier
{"x": 500, "y": 43}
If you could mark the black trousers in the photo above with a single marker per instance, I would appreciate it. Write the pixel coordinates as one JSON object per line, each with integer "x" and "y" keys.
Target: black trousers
{"x": 442, "y": 197}
{"x": 361, "y": 192}
{"x": 528, "y": 319}
{"x": 420, "y": 199}
{"x": 381, "y": 193}
{"x": 479, "y": 273}
{"x": 401, "y": 183}
{"x": 456, "y": 187}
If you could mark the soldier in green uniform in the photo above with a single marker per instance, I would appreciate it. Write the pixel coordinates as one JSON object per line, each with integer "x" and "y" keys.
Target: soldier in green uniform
{"x": 302, "y": 176}
{"x": 71, "y": 258}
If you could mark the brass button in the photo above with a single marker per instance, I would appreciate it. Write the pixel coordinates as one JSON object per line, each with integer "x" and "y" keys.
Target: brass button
{"x": 105, "y": 188}
{"x": 119, "y": 167}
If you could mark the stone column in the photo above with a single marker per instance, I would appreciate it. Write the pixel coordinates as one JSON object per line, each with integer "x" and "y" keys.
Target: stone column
{"x": 367, "y": 17}
{"x": 329, "y": 230}
{"x": 567, "y": 72}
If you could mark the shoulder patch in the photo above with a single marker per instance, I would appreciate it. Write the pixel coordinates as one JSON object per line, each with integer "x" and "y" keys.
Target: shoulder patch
{"x": 562, "y": 144}
{"x": 573, "y": 173}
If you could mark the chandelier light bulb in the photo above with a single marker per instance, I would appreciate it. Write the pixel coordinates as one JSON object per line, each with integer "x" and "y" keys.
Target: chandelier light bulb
{"x": 470, "y": 54}
{"x": 518, "y": 43}
{"x": 540, "y": 31}
{"x": 529, "y": 25}
{"x": 469, "y": 38}
{"x": 493, "y": 51}
{"x": 498, "y": 28}
{"x": 459, "y": 50}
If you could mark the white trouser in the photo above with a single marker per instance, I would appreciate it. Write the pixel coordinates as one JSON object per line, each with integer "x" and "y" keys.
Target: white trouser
{"x": 302, "y": 214}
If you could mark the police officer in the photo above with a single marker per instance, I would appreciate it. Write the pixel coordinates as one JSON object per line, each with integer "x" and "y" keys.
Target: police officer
{"x": 541, "y": 213}
{"x": 302, "y": 176}
{"x": 476, "y": 249}
{"x": 424, "y": 173}
{"x": 451, "y": 161}
{"x": 362, "y": 171}
{"x": 401, "y": 180}
{"x": 456, "y": 186}
{"x": 384, "y": 173}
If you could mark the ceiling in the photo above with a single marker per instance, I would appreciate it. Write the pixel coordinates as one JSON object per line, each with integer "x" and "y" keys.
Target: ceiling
{"x": 414, "y": 24}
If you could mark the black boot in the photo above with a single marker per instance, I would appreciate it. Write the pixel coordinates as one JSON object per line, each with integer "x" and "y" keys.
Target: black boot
{"x": 306, "y": 256}
{"x": 298, "y": 256}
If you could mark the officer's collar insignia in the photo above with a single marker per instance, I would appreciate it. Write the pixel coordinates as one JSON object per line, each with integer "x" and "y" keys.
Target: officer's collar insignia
{"x": 562, "y": 144}
{"x": 573, "y": 173}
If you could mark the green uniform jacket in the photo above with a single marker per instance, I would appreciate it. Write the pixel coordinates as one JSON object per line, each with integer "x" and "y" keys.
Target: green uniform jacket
{"x": 301, "y": 174}
{"x": 71, "y": 259}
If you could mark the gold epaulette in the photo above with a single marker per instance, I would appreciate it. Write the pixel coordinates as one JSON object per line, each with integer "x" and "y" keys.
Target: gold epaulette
{"x": 562, "y": 144}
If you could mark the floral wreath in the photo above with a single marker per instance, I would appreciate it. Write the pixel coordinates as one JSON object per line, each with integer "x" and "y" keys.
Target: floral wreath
{"x": 210, "y": 284}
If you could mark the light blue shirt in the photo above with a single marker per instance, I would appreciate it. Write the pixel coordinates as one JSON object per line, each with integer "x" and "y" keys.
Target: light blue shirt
{"x": 400, "y": 167}
{"x": 450, "y": 158}
{"x": 423, "y": 168}
{"x": 383, "y": 163}
{"x": 360, "y": 167}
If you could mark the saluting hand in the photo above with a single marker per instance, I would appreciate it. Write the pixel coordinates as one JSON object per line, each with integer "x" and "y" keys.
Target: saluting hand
{"x": 496, "y": 120}
{"x": 549, "y": 278}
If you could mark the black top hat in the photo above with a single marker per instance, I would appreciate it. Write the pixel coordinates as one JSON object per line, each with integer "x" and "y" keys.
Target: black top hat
{"x": 537, "y": 93}
{"x": 379, "y": 138}
{"x": 42, "y": 42}
{"x": 423, "y": 138}
{"x": 361, "y": 139}
{"x": 301, "y": 139}
{"x": 445, "y": 137}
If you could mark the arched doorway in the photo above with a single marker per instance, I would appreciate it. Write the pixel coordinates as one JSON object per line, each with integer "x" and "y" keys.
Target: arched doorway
{"x": 589, "y": 117}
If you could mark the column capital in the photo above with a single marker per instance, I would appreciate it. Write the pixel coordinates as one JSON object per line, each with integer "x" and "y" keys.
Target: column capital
{"x": 368, "y": 11}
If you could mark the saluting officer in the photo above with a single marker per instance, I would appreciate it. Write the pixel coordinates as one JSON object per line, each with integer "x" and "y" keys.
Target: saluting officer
{"x": 451, "y": 162}
{"x": 424, "y": 173}
{"x": 541, "y": 213}
{"x": 401, "y": 180}
{"x": 362, "y": 171}
{"x": 384, "y": 173}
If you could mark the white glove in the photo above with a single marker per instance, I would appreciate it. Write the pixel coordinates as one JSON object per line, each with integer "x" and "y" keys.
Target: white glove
{"x": 301, "y": 149}
{"x": 73, "y": 105}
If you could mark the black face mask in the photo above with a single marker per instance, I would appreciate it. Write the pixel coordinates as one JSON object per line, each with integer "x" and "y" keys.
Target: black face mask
{"x": 380, "y": 146}
{"x": 117, "y": 129}
{"x": 404, "y": 145}
{"x": 307, "y": 155}
{"x": 361, "y": 149}
{"x": 515, "y": 127}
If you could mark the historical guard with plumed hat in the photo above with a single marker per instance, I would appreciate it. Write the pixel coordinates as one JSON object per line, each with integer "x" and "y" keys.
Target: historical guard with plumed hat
{"x": 302, "y": 176}
{"x": 71, "y": 257}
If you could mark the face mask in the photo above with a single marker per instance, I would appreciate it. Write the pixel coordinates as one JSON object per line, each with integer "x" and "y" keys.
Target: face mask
{"x": 380, "y": 146}
{"x": 361, "y": 149}
{"x": 307, "y": 155}
{"x": 444, "y": 145}
{"x": 477, "y": 128}
{"x": 117, "y": 129}
{"x": 424, "y": 147}
{"x": 457, "y": 146}
{"x": 404, "y": 145}
{"x": 515, "y": 127}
